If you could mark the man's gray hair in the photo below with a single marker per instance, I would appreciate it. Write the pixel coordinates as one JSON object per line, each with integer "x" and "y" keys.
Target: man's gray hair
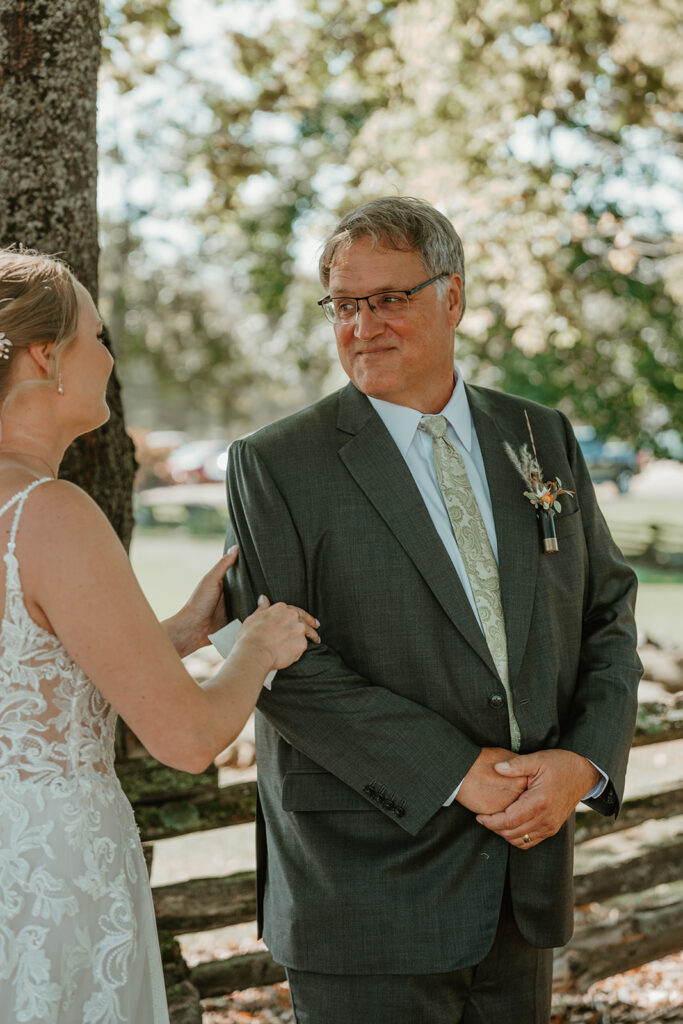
{"x": 406, "y": 224}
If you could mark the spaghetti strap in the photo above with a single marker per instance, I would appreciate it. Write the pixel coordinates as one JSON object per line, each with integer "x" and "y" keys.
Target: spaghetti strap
{"x": 20, "y": 500}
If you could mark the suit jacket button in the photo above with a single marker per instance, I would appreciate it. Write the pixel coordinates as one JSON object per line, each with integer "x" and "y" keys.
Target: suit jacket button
{"x": 496, "y": 700}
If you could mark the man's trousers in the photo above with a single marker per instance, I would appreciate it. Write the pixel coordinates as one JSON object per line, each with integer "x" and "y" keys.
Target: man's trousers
{"x": 511, "y": 985}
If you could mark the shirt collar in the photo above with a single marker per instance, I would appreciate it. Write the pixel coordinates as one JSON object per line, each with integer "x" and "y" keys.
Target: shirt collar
{"x": 402, "y": 422}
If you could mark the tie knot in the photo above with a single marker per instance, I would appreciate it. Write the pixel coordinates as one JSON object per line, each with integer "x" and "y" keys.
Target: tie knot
{"x": 434, "y": 425}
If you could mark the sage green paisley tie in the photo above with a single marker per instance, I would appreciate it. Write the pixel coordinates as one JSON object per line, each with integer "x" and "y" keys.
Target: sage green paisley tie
{"x": 475, "y": 548}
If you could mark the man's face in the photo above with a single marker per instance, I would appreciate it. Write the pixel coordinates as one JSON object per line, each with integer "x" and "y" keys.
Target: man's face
{"x": 407, "y": 361}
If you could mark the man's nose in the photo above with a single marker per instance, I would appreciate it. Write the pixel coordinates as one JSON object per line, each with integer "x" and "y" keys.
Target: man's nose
{"x": 368, "y": 324}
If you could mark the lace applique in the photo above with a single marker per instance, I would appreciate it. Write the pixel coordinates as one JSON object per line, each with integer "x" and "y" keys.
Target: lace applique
{"x": 97, "y": 859}
{"x": 113, "y": 955}
{"x": 38, "y": 997}
{"x": 77, "y": 932}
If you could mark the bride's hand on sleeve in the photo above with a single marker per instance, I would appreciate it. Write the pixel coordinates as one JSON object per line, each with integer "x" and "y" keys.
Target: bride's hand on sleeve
{"x": 204, "y": 611}
{"x": 278, "y": 633}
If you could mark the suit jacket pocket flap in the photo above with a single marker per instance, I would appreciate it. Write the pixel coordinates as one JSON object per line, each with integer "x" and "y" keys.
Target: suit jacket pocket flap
{"x": 567, "y": 522}
{"x": 320, "y": 791}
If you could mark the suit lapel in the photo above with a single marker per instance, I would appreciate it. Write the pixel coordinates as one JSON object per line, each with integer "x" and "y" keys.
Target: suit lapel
{"x": 515, "y": 521}
{"x": 374, "y": 462}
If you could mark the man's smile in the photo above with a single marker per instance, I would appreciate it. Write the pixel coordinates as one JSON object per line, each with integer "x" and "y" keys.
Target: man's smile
{"x": 380, "y": 350}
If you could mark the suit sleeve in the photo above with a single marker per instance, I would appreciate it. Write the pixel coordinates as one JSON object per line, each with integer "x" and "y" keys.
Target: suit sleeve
{"x": 398, "y": 754}
{"x": 605, "y": 700}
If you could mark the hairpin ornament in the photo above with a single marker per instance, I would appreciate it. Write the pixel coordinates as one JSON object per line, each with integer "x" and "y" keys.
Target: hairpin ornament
{"x": 5, "y": 345}
{"x": 542, "y": 494}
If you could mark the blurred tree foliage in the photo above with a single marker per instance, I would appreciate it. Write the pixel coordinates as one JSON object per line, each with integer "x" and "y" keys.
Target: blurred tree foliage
{"x": 551, "y": 133}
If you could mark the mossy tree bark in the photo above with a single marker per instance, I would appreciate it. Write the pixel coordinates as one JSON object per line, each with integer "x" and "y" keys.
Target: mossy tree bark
{"x": 49, "y": 60}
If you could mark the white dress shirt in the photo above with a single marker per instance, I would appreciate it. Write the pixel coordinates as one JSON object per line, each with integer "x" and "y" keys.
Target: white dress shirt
{"x": 415, "y": 446}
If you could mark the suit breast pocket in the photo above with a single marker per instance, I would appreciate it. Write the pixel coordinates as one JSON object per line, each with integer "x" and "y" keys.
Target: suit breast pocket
{"x": 320, "y": 791}
{"x": 562, "y": 576}
{"x": 568, "y": 524}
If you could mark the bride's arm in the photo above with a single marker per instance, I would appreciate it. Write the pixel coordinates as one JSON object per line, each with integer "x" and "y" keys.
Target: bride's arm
{"x": 78, "y": 583}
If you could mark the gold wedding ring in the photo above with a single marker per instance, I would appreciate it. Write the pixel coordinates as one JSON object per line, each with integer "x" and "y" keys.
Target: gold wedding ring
{"x": 526, "y": 838}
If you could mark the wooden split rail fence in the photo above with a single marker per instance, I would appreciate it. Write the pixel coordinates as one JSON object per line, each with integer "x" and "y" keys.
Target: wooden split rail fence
{"x": 628, "y": 878}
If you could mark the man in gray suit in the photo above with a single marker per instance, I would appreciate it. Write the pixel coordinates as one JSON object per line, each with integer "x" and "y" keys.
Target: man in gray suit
{"x": 418, "y": 770}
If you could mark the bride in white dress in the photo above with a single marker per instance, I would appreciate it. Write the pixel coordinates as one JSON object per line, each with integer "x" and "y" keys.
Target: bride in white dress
{"x": 78, "y": 645}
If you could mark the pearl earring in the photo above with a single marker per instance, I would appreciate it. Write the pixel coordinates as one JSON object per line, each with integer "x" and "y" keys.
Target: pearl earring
{"x": 60, "y": 386}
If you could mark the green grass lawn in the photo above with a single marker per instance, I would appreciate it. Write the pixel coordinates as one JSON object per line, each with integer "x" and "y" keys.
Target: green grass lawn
{"x": 659, "y": 606}
{"x": 169, "y": 563}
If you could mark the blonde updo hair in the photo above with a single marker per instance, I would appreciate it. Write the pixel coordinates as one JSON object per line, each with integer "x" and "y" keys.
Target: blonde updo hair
{"x": 38, "y": 304}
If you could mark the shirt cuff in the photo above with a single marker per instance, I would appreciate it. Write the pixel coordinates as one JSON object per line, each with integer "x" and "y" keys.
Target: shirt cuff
{"x": 599, "y": 786}
{"x": 447, "y": 803}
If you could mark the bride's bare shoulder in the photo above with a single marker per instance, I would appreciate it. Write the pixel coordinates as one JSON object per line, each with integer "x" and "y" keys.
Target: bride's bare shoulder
{"x": 13, "y": 480}
{"x": 57, "y": 515}
{"x": 64, "y": 540}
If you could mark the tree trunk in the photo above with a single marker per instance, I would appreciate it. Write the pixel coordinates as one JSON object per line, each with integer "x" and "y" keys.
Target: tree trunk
{"x": 49, "y": 59}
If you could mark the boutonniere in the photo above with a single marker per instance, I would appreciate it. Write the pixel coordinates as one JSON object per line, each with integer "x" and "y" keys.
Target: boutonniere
{"x": 543, "y": 494}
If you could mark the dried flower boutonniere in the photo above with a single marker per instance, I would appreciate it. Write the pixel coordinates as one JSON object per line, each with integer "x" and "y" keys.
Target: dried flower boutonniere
{"x": 543, "y": 494}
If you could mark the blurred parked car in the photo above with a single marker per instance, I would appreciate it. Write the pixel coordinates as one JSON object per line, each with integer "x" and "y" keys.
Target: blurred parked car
{"x": 216, "y": 465}
{"x": 196, "y": 462}
{"x": 152, "y": 449}
{"x": 608, "y": 460}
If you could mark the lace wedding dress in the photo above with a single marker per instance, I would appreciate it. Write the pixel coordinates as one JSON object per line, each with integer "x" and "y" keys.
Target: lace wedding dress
{"x": 78, "y": 942}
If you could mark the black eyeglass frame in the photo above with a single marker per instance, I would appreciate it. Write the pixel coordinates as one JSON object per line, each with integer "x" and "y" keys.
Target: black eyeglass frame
{"x": 325, "y": 303}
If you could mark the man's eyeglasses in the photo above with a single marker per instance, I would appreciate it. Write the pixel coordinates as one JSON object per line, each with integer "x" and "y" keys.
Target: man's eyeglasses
{"x": 344, "y": 309}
